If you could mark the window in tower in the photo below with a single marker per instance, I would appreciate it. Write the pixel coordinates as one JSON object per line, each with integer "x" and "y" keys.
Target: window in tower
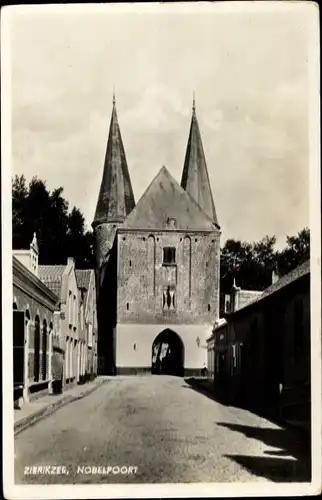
{"x": 169, "y": 255}
{"x": 169, "y": 298}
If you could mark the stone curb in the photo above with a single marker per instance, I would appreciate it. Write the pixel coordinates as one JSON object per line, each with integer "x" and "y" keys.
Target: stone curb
{"x": 32, "y": 419}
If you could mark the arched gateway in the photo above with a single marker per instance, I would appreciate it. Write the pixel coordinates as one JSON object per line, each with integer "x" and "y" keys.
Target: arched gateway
{"x": 168, "y": 354}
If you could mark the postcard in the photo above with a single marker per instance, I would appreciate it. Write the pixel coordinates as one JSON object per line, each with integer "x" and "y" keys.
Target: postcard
{"x": 161, "y": 236}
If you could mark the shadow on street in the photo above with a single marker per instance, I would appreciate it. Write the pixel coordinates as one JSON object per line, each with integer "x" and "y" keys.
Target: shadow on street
{"x": 289, "y": 461}
{"x": 275, "y": 469}
{"x": 288, "y": 442}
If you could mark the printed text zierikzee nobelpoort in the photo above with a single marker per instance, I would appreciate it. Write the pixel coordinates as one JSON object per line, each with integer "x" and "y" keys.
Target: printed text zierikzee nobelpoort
{"x": 58, "y": 470}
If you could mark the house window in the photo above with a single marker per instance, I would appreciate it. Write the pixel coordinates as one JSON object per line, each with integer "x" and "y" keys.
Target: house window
{"x": 82, "y": 317}
{"x": 70, "y": 320}
{"x": 74, "y": 310}
{"x": 127, "y": 306}
{"x": 90, "y": 334}
{"x": 169, "y": 255}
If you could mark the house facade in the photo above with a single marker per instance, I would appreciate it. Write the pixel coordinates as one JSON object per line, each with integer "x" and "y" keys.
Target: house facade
{"x": 37, "y": 343}
{"x": 88, "y": 319}
{"x": 260, "y": 353}
{"x": 157, "y": 264}
{"x": 61, "y": 279}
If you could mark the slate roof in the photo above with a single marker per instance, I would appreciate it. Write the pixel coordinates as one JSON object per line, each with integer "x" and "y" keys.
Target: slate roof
{"x": 51, "y": 276}
{"x": 165, "y": 199}
{"x": 83, "y": 277}
{"x": 116, "y": 198}
{"x": 195, "y": 179}
{"x": 285, "y": 280}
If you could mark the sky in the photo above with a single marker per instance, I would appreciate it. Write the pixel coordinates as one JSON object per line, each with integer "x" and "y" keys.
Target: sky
{"x": 247, "y": 67}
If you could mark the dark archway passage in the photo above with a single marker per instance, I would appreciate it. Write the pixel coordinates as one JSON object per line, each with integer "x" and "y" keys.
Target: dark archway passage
{"x": 168, "y": 354}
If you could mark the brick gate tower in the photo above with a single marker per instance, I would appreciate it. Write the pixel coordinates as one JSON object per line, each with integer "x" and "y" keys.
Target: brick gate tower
{"x": 157, "y": 264}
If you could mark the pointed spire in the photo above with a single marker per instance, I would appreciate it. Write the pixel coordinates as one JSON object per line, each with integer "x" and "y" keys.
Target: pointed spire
{"x": 116, "y": 199}
{"x": 195, "y": 179}
{"x": 113, "y": 96}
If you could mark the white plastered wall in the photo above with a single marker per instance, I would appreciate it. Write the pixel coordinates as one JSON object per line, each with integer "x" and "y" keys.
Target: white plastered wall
{"x": 134, "y": 344}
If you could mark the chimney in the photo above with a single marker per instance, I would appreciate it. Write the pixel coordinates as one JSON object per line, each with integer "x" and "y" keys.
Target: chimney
{"x": 275, "y": 277}
{"x": 71, "y": 261}
{"x": 234, "y": 301}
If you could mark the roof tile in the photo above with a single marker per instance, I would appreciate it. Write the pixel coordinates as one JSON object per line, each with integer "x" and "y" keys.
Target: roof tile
{"x": 116, "y": 198}
{"x": 52, "y": 277}
{"x": 164, "y": 200}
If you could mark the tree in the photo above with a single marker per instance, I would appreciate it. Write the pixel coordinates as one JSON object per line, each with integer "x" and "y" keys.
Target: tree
{"x": 80, "y": 244}
{"x": 19, "y": 195}
{"x": 57, "y": 247}
{"x": 60, "y": 234}
{"x": 251, "y": 264}
{"x": 296, "y": 252}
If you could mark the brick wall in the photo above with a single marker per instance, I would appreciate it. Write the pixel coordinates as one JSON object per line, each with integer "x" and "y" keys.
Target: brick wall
{"x": 297, "y": 354}
{"x": 271, "y": 340}
{"x": 142, "y": 277}
{"x": 36, "y": 310}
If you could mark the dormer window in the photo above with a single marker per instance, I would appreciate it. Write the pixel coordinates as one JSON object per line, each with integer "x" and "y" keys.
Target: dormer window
{"x": 171, "y": 222}
{"x": 169, "y": 255}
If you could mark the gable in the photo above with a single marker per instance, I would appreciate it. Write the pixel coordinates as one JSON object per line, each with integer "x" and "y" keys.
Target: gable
{"x": 166, "y": 205}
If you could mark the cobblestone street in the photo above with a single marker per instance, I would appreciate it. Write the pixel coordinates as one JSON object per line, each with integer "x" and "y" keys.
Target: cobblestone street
{"x": 165, "y": 430}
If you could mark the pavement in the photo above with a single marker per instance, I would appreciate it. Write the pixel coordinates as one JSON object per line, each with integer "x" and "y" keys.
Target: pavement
{"x": 156, "y": 429}
{"x": 36, "y": 410}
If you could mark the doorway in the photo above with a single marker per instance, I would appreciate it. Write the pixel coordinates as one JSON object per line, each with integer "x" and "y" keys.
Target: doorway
{"x": 168, "y": 354}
